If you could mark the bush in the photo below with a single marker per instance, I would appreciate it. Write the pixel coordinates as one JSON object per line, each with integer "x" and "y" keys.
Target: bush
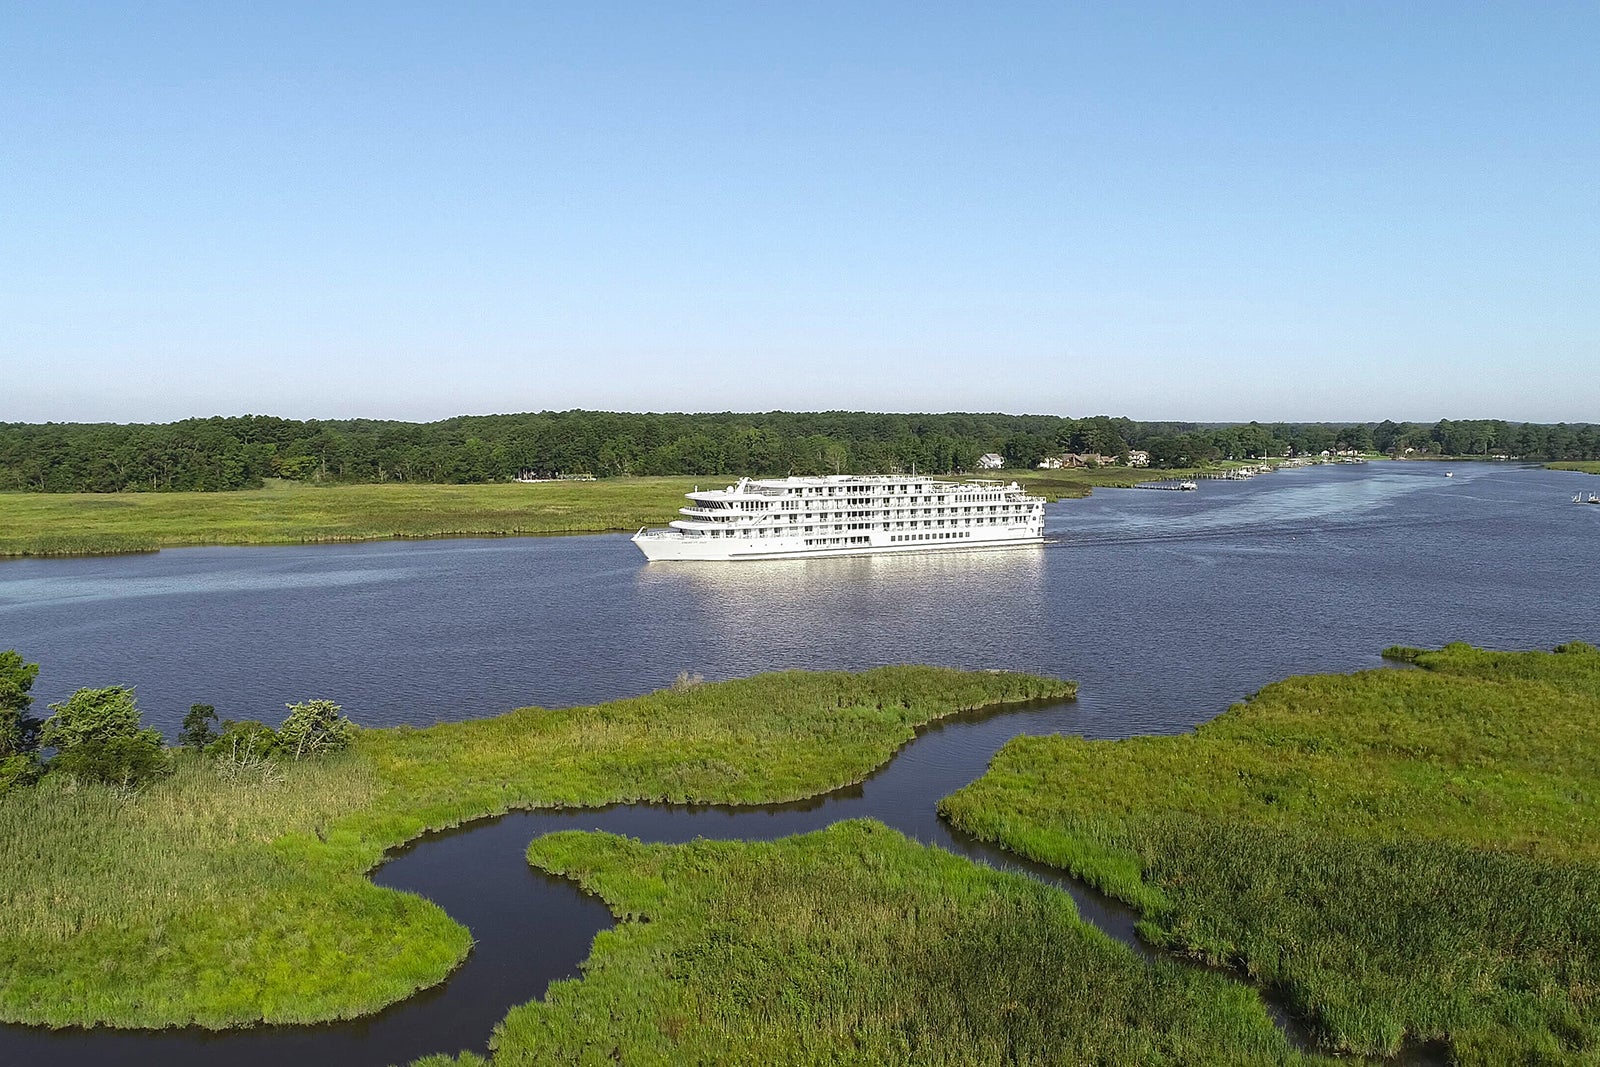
{"x": 97, "y": 736}
{"x": 243, "y": 738}
{"x": 20, "y": 769}
{"x": 197, "y": 730}
{"x": 246, "y": 751}
{"x": 314, "y": 726}
{"x": 91, "y": 714}
{"x": 126, "y": 761}
{"x": 19, "y": 733}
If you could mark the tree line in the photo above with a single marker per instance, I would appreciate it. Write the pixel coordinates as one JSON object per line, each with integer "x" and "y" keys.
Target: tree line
{"x": 241, "y": 452}
{"x": 98, "y": 735}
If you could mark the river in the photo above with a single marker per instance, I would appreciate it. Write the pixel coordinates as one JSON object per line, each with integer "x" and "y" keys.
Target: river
{"x": 1166, "y": 606}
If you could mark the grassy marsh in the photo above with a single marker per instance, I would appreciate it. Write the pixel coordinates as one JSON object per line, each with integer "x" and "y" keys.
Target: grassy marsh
{"x": 70, "y": 524}
{"x": 49, "y": 524}
{"x": 854, "y": 944}
{"x": 225, "y": 900}
{"x": 1585, "y": 466}
{"x": 1404, "y": 855}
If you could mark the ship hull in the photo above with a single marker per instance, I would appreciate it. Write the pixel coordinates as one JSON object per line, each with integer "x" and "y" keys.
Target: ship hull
{"x": 666, "y": 548}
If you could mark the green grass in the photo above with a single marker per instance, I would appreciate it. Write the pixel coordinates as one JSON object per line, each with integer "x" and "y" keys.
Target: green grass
{"x": 855, "y": 945}
{"x": 43, "y": 524}
{"x": 1402, "y": 854}
{"x": 225, "y": 902}
{"x": 1586, "y": 466}
{"x": 69, "y": 524}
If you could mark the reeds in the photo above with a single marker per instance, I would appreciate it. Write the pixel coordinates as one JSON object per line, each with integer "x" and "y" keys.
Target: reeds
{"x": 224, "y": 897}
{"x": 1405, "y": 855}
{"x": 855, "y": 945}
{"x": 41, "y": 524}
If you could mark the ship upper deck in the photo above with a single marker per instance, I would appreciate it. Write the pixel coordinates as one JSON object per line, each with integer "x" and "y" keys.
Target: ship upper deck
{"x": 843, "y": 484}
{"x": 835, "y": 498}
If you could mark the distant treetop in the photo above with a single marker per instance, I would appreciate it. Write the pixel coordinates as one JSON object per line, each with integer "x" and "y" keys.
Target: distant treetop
{"x": 240, "y": 452}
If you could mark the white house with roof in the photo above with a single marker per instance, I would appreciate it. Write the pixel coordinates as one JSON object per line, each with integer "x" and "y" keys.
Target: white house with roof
{"x": 991, "y": 461}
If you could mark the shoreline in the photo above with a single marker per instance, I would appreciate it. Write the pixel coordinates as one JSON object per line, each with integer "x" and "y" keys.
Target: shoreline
{"x": 769, "y": 739}
{"x": 127, "y": 524}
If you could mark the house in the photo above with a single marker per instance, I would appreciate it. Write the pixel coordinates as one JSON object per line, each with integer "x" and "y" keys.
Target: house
{"x": 1050, "y": 463}
{"x": 991, "y": 461}
{"x": 1138, "y": 458}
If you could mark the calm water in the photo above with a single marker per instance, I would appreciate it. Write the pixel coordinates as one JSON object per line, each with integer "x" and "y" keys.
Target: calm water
{"x": 1167, "y": 606}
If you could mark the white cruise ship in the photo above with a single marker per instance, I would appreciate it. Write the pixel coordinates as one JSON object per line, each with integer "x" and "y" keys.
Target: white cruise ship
{"x": 845, "y": 515}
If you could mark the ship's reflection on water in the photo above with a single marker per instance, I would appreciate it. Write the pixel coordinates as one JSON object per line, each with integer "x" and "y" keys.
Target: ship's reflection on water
{"x": 831, "y": 605}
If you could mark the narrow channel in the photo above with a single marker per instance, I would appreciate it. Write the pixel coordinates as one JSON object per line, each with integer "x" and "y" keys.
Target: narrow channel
{"x": 531, "y": 929}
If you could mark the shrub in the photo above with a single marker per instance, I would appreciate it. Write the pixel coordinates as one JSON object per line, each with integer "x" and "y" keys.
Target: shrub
{"x": 314, "y": 726}
{"x": 97, "y": 736}
{"x": 245, "y": 751}
{"x": 197, "y": 727}
{"x": 91, "y": 714}
{"x": 19, "y": 733}
{"x": 245, "y": 738}
{"x": 126, "y": 761}
{"x": 20, "y": 769}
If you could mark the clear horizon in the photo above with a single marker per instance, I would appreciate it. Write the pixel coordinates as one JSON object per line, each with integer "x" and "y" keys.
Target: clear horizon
{"x": 1202, "y": 214}
{"x": 1373, "y": 420}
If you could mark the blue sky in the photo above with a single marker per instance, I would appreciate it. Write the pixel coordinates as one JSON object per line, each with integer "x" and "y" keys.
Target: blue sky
{"x": 1201, "y": 211}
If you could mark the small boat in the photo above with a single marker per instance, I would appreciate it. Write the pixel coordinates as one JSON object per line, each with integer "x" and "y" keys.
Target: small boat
{"x": 1449, "y": 474}
{"x": 1187, "y": 485}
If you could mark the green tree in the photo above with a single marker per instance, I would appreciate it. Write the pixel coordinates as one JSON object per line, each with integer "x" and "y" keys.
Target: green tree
{"x": 197, "y": 730}
{"x": 313, "y": 727}
{"x": 18, "y": 731}
{"x": 1025, "y": 450}
{"x": 97, "y": 736}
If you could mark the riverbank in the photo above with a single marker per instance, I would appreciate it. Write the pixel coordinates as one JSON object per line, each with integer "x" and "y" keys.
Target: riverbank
{"x": 74, "y": 524}
{"x": 225, "y": 896}
{"x": 1075, "y": 483}
{"x": 88, "y": 524}
{"x": 1405, "y": 855}
{"x": 1591, "y": 466}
